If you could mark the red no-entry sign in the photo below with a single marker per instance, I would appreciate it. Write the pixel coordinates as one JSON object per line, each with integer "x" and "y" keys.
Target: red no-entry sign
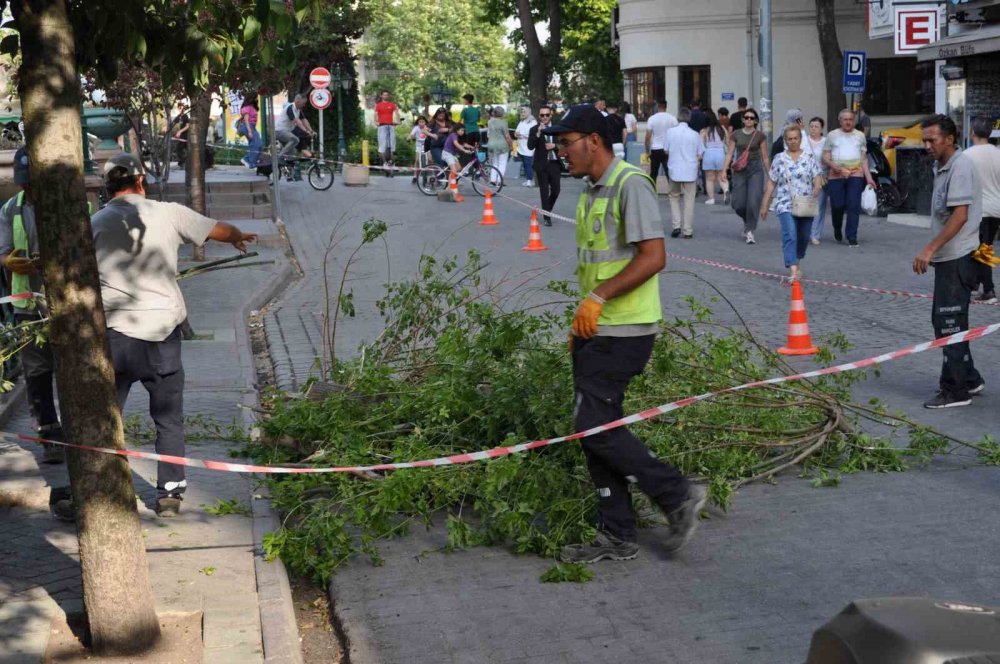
{"x": 319, "y": 77}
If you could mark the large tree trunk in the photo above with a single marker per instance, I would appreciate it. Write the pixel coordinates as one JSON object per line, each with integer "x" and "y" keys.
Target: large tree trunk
{"x": 537, "y": 72}
{"x": 833, "y": 59}
{"x": 201, "y": 107}
{"x": 116, "y": 592}
{"x": 555, "y": 34}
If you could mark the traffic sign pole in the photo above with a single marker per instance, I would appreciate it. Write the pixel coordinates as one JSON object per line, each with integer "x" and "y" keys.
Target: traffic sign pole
{"x": 321, "y": 134}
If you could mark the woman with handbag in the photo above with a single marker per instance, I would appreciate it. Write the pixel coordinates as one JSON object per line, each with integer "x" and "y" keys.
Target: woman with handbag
{"x": 795, "y": 180}
{"x": 748, "y": 171}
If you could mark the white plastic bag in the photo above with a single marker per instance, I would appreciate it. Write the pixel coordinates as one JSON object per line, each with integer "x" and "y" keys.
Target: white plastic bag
{"x": 869, "y": 201}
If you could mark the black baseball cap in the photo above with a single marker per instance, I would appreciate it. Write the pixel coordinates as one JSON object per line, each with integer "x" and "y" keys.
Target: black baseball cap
{"x": 122, "y": 163}
{"x": 583, "y": 118}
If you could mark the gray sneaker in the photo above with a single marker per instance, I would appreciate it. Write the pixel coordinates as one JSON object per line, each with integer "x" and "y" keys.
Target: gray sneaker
{"x": 684, "y": 519}
{"x": 604, "y": 547}
{"x": 168, "y": 506}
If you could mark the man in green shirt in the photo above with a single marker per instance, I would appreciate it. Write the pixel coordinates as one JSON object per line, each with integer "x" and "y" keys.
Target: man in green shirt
{"x": 470, "y": 119}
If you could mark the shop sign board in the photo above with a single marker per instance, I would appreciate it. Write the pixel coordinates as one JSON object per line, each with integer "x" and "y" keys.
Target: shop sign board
{"x": 916, "y": 27}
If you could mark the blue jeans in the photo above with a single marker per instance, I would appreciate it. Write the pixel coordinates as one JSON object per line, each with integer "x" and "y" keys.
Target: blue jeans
{"x": 845, "y": 195}
{"x": 254, "y": 145}
{"x": 794, "y": 237}
{"x": 527, "y": 161}
{"x": 817, "y": 225}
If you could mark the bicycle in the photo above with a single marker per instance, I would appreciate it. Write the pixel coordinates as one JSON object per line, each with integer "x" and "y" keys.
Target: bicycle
{"x": 320, "y": 174}
{"x": 484, "y": 177}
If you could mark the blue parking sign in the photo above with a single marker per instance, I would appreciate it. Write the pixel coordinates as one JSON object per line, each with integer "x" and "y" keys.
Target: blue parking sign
{"x": 854, "y": 71}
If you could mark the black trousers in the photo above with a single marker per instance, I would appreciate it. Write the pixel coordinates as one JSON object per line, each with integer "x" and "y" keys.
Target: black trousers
{"x": 157, "y": 365}
{"x": 954, "y": 282}
{"x": 602, "y": 369}
{"x": 987, "y": 235}
{"x": 39, "y": 367}
{"x": 657, "y": 158}
{"x": 549, "y": 180}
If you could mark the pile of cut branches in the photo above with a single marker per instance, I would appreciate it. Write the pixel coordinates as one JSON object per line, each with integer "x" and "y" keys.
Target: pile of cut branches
{"x": 466, "y": 363}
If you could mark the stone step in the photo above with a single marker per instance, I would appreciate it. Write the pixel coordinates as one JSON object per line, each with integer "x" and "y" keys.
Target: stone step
{"x": 254, "y": 185}
{"x": 227, "y": 198}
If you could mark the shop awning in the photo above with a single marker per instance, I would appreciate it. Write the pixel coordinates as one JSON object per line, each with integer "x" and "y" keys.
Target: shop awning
{"x": 974, "y": 42}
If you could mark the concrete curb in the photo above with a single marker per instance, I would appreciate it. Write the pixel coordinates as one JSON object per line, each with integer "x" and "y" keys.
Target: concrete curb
{"x": 358, "y": 644}
{"x": 279, "y": 629}
{"x": 12, "y": 400}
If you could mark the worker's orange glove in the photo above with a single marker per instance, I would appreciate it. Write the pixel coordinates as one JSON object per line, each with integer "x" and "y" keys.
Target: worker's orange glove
{"x": 586, "y": 316}
{"x": 18, "y": 263}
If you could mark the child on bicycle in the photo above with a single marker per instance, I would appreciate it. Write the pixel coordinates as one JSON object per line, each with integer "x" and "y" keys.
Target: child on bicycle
{"x": 454, "y": 145}
{"x": 420, "y": 133}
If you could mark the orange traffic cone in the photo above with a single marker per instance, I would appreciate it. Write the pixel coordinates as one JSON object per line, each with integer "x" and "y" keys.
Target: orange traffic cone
{"x": 799, "y": 341}
{"x": 453, "y": 188}
{"x": 489, "y": 219}
{"x": 534, "y": 235}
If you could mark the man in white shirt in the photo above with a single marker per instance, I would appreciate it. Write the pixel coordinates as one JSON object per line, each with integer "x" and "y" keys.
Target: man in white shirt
{"x": 291, "y": 129}
{"x": 136, "y": 241}
{"x": 656, "y": 132}
{"x": 684, "y": 149}
{"x": 987, "y": 161}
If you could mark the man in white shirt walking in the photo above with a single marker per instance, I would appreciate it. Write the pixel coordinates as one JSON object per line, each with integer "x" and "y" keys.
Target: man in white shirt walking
{"x": 987, "y": 161}
{"x": 684, "y": 150}
{"x": 656, "y": 132}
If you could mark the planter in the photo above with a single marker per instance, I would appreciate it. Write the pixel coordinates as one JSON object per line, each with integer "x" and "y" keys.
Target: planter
{"x": 107, "y": 124}
{"x": 355, "y": 175}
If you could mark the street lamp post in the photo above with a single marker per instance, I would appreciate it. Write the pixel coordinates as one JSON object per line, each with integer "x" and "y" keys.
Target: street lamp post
{"x": 342, "y": 80}
{"x": 442, "y": 95}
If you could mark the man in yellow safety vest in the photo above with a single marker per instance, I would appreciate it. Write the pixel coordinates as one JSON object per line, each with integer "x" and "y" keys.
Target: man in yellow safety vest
{"x": 620, "y": 250}
{"x": 19, "y": 255}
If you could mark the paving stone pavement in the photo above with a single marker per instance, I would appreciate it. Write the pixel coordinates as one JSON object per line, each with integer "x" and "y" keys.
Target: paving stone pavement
{"x": 757, "y": 580}
{"x": 197, "y": 561}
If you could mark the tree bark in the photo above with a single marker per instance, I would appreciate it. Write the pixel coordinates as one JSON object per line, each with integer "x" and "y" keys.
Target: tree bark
{"x": 117, "y": 595}
{"x": 833, "y": 59}
{"x": 197, "y": 135}
{"x": 537, "y": 72}
{"x": 555, "y": 35}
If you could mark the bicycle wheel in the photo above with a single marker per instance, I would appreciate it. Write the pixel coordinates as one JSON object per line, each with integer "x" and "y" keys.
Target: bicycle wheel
{"x": 488, "y": 177}
{"x": 320, "y": 176}
{"x": 431, "y": 180}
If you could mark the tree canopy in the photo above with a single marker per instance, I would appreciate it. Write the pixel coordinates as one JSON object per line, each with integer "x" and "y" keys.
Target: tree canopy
{"x": 413, "y": 43}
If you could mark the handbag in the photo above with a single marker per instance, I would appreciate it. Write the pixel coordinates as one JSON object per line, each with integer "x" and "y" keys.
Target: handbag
{"x": 744, "y": 159}
{"x": 805, "y": 206}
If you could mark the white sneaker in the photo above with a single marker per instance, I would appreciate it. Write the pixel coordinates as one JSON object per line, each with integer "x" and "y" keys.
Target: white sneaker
{"x": 750, "y": 239}
{"x": 527, "y": 183}
{"x": 709, "y": 201}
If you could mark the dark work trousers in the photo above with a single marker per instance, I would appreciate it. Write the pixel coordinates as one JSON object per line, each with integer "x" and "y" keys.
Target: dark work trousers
{"x": 987, "y": 235}
{"x": 953, "y": 284}
{"x": 157, "y": 365}
{"x": 549, "y": 181}
{"x": 38, "y": 365}
{"x": 845, "y": 196}
{"x": 602, "y": 369}
{"x": 657, "y": 158}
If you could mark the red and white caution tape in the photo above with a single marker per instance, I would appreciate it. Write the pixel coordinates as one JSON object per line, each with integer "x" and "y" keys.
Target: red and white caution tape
{"x": 21, "y": 296}
{"x": 760, "y": 273}
{"x": 496, "y": 452}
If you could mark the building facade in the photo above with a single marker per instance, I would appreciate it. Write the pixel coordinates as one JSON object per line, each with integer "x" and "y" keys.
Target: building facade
{"x": 967, "y": 64}
{"x": 709, "y": 50}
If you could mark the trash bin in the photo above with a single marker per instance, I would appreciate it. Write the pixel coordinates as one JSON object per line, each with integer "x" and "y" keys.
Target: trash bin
{"x": 915, "y": 178}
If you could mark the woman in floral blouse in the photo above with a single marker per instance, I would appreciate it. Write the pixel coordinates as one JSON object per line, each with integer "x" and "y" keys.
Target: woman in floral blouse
{"x": 793, "y": 173}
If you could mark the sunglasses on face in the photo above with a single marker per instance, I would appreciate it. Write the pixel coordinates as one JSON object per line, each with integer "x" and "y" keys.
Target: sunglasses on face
{"x": 750, "y": 117}
{"x": 545, "y": 115}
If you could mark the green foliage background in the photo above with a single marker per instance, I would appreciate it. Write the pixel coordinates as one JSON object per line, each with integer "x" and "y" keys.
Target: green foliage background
{"x": 410, "y": 44}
